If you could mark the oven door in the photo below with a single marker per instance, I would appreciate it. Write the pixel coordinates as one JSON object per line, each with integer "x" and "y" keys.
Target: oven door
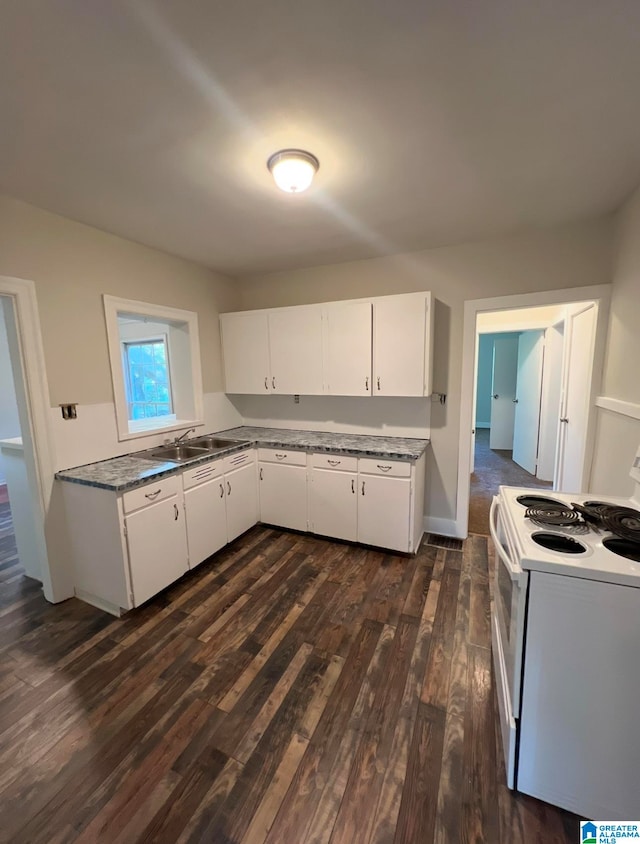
{"x": 507, "y": 631}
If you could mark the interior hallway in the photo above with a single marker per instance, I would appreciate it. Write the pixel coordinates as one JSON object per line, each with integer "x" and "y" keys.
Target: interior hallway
{"x": 493, "y": 468}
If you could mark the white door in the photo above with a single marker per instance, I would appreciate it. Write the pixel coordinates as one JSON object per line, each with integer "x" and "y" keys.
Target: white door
{"x": 295, "y": 341}
{"x": 347, "y": 349}
{"x": 400, "y": 344}
{"x": 384, "y": 511}
{"x": 333, "y": 504}
{"x": 242, "y": 500}
{"x": 245, "y": 350}
{"x": 529, "y": 396}
{"x": 574, "y": 407}
{"x": 550, "y": 407}
{"x": 157, "y": 543}
{"x": 206, "y": 516}
{"x": 283, "y": 495}
{"x": 503, "y": 391}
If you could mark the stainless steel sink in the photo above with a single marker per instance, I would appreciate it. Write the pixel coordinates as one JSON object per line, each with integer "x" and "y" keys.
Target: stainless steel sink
{"x": 215, "y": 443}
{"x": 178, "y": 453}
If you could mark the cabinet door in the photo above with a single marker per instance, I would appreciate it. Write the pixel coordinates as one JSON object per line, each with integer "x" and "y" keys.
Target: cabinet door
{"x": 245, "y": 350}
{"x": 157, "y": 543}
{"x": 384, "y": 511}
{"x": 242, "y": 500}
{"x": 295, "y": 341}
{"x": 333, "y": 503}
{"x": 283, "y": 495}
{"x": 400, "y": 345}
{"x": 206, "y": 517}
{"x": 347, "y": 349}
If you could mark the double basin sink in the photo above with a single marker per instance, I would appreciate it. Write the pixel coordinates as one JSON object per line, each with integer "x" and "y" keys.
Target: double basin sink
{"x": 198, "y": 447}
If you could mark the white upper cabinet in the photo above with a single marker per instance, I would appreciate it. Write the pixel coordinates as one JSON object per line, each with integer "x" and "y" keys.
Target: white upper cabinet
{"x": 347, "y": 348}
{"x": 295, "y": 341}
{"x": 402, "y": 345}
{"x": 376, "y": 347}
{"x": 245, "y": 345}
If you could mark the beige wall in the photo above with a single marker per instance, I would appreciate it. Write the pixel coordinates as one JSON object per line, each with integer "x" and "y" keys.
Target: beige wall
{"x": 72, "y": 266}
{"x": 618, "y": 436}
{"x": 568, "y": 256}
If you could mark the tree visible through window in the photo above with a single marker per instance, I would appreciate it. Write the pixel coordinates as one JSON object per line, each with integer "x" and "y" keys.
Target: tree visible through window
{"x": 148, "y": 384}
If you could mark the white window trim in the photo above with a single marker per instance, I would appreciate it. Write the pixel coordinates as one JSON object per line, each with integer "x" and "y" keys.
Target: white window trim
{"x": 112, "y": 306}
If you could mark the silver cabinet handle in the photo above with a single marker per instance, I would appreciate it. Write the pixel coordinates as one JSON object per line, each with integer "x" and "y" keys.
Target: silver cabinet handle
{"x": 273, "y": 382}
{"x": 228, "y": 488}
{"x": 383, "y": 468}
{"x": 280, "y": 456}
{"x": 266, "y": 383}
{"x": 378, "y": 382}
{"x": 177, "y": 512}
{"x": 334, "y": 462}
{"x": 153, "y": 495}
{"x": 366, "y": 383}
{"x": 221, "y": 491}
{"x": 363, "y": 487}
{"x": 353, "y": 486}
{"x": 261, "y": 473}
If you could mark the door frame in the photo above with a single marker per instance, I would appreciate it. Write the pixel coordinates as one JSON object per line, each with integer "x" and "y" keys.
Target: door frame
{"x": 22, "y": 292}
{"x": 600, "y": 294}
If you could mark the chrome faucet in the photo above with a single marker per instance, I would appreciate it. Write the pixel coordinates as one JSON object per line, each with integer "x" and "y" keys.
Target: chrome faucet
{"x": 184, "y": 436}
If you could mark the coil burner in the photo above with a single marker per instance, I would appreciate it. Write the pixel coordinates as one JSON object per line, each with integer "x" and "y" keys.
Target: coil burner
{"x": 557, "y": 515}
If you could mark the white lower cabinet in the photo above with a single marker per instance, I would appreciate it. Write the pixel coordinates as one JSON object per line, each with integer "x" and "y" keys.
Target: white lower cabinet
{"x": 283, "y": 495}
{"x": 157, "y": 545}
{"x": 206, "y": 517}
{"x": 242, "y": 500}
{"x": 333, "y": 503}
{"x": 384, "y": 508}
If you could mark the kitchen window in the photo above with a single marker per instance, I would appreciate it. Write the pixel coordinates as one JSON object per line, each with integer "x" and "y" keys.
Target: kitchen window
{"x": 147, "y": 382}
{"x": 155, "y": 367}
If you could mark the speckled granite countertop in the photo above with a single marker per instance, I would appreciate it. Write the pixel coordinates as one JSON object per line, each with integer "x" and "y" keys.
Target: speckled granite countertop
{"x": 122, "y": 473}
{"x": 359, "y": 445}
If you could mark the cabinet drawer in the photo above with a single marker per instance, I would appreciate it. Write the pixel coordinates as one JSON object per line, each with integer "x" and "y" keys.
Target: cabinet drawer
{"x": 339, "y": 462}
{"x": 240, "y": 458}
{"x": 282, "y": 455}
{"x": 203, "y": 472}
{"x": 150, "y": 493}
{"x": 379, "y": 466}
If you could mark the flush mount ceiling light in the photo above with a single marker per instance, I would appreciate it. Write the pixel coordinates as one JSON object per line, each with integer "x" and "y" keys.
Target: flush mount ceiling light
{"x": 293, "y": 169}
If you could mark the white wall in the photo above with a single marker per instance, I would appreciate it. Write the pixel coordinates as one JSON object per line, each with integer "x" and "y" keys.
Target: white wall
{"x": 483, "y": 380}
{"x": 564, "y": 257}
{"x": 618, "y": 433}
{"x": 9, "y": 421}
{"x": 72, "y": 265}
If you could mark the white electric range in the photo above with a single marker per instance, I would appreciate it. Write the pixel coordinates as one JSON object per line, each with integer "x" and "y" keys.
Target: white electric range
{"x": 566, "y": 646}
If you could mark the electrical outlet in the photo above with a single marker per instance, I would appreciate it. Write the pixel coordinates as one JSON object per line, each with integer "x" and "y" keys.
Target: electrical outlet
{"x": 69, "y": 411}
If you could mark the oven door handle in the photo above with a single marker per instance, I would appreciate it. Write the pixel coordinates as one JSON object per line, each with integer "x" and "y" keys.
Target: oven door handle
{"x": 512, "y": 566}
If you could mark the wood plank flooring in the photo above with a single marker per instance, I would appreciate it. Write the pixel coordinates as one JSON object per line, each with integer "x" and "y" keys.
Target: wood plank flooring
{"x": 291, "y": 690}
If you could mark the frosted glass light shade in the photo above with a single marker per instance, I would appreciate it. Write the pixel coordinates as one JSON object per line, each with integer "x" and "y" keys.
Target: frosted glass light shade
{"x": 293, "y": 169}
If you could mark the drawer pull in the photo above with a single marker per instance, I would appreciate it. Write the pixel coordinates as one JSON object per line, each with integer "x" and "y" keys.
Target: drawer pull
{"x": 261, "y": 473}
{"x": 363, "y": 487}
{"x": 366, "y": 383}
{"x": 177, "y": 512}
{"x": 280, "y": 456}
{"x": 353, "y": 486}
{"x": 221, "y": 491}
{"x": 378, "y": 382}
{"x": 152, "y": 495}
{"x": 383, "y": 468}
{"x": 228, "y": 488}
{"x": 266, "y": 385}
{"x": 273, "y": 382}
{"x": 334, "y": 462}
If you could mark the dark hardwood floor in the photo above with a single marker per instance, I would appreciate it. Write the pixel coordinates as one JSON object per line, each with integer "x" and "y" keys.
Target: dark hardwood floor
{"x": 290, "y": 690}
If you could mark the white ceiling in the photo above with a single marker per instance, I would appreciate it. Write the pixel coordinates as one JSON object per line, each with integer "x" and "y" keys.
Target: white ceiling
{"x": 435, "y": 121}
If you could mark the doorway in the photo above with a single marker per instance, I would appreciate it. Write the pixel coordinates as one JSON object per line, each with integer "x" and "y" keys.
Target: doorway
{"x": 530, "y": 416}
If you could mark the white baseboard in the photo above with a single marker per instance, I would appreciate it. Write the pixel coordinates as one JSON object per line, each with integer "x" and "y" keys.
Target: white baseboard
{"x": 443, "y": 527}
